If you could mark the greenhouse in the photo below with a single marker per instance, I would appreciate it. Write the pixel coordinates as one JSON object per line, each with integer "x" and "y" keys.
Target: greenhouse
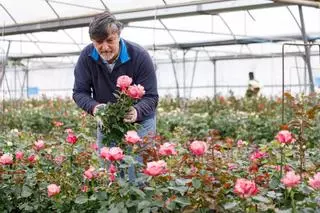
{"x": 159, "y": 106}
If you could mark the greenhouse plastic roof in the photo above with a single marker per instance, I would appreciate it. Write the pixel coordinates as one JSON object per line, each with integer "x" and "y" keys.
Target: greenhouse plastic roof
{"x": 51, "y": 28}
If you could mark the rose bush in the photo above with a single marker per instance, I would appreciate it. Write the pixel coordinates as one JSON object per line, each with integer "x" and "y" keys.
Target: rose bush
{"x": 177, "y": 174}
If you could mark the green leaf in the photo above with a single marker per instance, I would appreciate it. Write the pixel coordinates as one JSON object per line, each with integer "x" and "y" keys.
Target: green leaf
{"x": 146, "y": 210}
{"x": 261, "y": 198}
{"x": 230, "y": 205}
{"x": 26, "y": 191}
{"x": 102, "y": 195}
{"x": 114, "y": 210}
{"x": 81, "y": 199}
{"x": 138, "y": 192}
{"x": 182, "y": 201}
{"x": 196, "y": 183}
{"x": 181, "y": 189}
{"x": 274, "y": 183}
{"x": 143, "y": 204}
{"x": 182, "y": 181}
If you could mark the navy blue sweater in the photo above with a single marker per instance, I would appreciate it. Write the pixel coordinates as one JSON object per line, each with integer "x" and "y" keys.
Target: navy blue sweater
{"x": 95, "y": 84}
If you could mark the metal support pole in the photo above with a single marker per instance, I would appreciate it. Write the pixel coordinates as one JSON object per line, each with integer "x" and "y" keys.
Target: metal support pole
{"x": 193, "y": 72}
{"x": 283, "y": 46}
{"x": 214, "y": 79}
{"x": 4, "y": 65}
{"x": 307, "y": 49}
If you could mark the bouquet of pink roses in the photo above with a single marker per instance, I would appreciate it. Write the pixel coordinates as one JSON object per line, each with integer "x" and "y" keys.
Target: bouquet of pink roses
{"x": 113, "y": 127}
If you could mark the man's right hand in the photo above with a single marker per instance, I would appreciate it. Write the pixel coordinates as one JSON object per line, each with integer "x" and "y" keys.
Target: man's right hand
{"x": 96, "y": 109}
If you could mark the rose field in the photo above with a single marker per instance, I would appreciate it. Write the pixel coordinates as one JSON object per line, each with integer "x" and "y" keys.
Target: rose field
{"x": 223, "y": 155}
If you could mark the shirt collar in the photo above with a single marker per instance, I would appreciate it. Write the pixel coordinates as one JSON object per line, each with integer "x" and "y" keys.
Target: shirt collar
{"x": 123, "y": 56}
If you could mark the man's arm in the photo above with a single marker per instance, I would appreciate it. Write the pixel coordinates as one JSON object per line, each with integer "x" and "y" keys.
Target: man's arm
{"x": 82, "y": 93}
{"x": 146, "y": 77}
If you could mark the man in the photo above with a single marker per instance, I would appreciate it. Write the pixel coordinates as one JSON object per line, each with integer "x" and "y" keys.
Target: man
{"x": 253, "y": 86}
{"x": 102, "y": 62}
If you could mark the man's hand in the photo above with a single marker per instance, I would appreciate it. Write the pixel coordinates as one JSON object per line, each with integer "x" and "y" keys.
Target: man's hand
{"x": 97, "y": 108}
{"x": 131, "y": 115}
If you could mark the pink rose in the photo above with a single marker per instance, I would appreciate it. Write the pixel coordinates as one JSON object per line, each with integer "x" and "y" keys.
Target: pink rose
{"x": 285, "y": 137}
{"x": 32, "y": 158}
{"x": 290, "y": 179}
{"x": 136, "y": 91}
{"x": 38, "y": 145}
{"x": 112, "y": 177}
{"x": 71, "y": 138}
{"x": 198, "y": 147}
{"x": 240, "y": 143}
{"x": 167, "y": 149}
{"x": 59, "y": 159}
{"x": 90, "y": 173}
{"x": 84, "y": 188}
{"x": 315, "y": 181}
{"x": 94, "y": 146}
{"x": 132, "y": 137}
{"x": 257, "y": 155}
{"x": 123, "y": 82}
{"x": 156, "y": 168}
{"x": 57, "y": 123}
{"x": 53, "y": 189}
{"x": 286, "y": 168}
{"x": 19, "y": 155}
{"x": 112, "y": 154}
{"x": 6, "y": 159}
{"x": 112, "y": 169}
{"x": 232, "y": 166}
{"x": 245, "y": 188}
{"x": 68, "y": 131}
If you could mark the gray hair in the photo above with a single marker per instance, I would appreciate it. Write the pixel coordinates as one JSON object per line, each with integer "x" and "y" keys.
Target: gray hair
{"x": 104, "y": 24}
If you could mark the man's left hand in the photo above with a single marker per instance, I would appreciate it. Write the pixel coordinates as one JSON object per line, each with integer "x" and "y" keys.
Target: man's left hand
{"x": 131, "y": 115}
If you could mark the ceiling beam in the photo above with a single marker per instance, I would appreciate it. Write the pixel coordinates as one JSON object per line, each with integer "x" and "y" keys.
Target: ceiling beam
{"x": 161, "y": 12}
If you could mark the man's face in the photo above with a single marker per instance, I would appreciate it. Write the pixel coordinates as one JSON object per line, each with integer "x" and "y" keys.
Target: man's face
{"x": 109, "y": 47}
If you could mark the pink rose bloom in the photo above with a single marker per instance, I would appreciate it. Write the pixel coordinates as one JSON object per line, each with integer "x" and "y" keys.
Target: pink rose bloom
{"x": 90, "y": 173}
{"x": 6, "y": 159}
{"x": 167, "y": 149}
{"x": 156, "y": 168}
{"x": 285, "y": 137}
{"x": 57, "y": 123}
{"x": 112, "y": 169}
{"x": 123, "y": 82}
{"x": 112, "y": 177}
{"x": 59, "y": 159}
{"x": 290, "y": 179}
{"x": 94, "y": 146}
{"x": 240, "y": 143}
{"x": 132, "y": 137}
{"x": 198, "y": 147}
{"x": 136, "y": 91}
{"x": 53, "y": 189}
{"x": 68, "y": 131}
{"x": 19, "y": 155}
{"x": 38, "y": 145}
{"x": 286, "y": 168}
{"x": 245, "y": 188}
{"x": 232, "y": 166}
{"x": 84, "y": 188}
{"x": 257, "y": 155}
{"x": 32, "y": 158}
{"x": 112, "y": 154}
{"x": 71, "y": 138}
{"x": 315, "y": 181}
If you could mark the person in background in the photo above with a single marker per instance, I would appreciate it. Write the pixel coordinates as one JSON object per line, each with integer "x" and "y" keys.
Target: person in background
{"x": 254, "y": 86}
{"x": 102, "y": 62}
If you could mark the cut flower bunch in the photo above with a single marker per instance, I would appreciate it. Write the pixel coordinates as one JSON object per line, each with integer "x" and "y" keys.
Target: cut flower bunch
{"x": 113, "y": 127}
